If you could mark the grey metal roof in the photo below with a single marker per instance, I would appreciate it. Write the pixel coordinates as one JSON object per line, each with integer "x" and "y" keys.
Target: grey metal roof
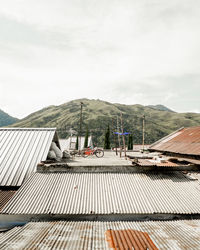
{"x": 95, "y": 235}
{"x": 5, "y": 196}
{"x": 21, "y": 149}
{"x": 105, "y": 193}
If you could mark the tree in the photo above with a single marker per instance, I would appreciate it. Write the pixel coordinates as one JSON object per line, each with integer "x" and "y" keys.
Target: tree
{"x": 77, "y": 142}
{"x": 130, "y": 142}
{"x": 107, "y": 138}
{"x": 86, "y": 138}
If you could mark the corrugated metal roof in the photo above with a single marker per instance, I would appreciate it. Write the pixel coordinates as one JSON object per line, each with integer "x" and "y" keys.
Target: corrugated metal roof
{"x": 184, "y": 141}
{"x": 21, "y": 149}
{"x": 193, "y": 161}
{"x": 106, "y": 193}
{"x": 93, "y": 235}
{"x": 152, "y": 163}
{"x": 129, "y": 239}
{"x": 5, "y": 196}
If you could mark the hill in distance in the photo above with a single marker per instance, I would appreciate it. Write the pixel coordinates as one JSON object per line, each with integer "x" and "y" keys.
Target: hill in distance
{"x": 6, "y": 119}
{"x": 160, "y": 107}
{"x": 98, "y": 114}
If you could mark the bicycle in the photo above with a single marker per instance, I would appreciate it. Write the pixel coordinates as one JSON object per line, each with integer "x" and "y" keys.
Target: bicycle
{"x": 96, "y": 151}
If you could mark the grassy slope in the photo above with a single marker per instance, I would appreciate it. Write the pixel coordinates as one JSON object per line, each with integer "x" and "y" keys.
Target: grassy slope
{"x": 97, "y": 114}
{"x": 6, "y": 119}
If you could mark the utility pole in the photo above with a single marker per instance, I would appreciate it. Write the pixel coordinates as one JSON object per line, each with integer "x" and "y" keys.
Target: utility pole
{"x": 81, "y": 120}
{"x": 123, "y": 136}
{"x": 118, "y": 135}
{"x": 143, "y": 131}
{"x": 114, "y": 136}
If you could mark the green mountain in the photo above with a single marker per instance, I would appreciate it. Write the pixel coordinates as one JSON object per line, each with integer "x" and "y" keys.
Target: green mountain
{"x": 160, "y": 107}
{"x": 6, "y": 119}
{"x": 98, "y": 114}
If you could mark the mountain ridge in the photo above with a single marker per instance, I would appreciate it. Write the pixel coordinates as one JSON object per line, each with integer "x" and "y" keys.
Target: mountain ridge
{"x": 97, "y": 114}
{"x": 6, "y": 119}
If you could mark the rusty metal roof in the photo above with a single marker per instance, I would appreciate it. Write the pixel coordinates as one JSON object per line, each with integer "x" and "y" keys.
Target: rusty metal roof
{"x": 180, "y": 159}
{"x": 105, "y": 193}
{"x": 94, "y": 235}
{"x": 152, "y": 163}
{"x": 5, "y": 196}
{"x": 129, "y": 239}
{"x": 184, "y": 141}
{"x": 21, "y": 149}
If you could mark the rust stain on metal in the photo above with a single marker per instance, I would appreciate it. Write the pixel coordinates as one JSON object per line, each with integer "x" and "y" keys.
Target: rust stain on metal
{"x": 167, "y": 164}
{"x": 185, "y": 141}
{"x": 147, "y": 163}
{"x": 129, "y": 239}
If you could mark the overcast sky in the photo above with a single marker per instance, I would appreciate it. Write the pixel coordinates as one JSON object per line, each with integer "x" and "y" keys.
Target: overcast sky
{"x": 126, "y": 51}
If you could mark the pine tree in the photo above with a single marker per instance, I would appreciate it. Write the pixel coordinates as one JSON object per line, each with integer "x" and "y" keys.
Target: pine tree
{"x": 77, "y": 142}
{"x": 130, "y": 142}
{"x": 86, "y": 138}
{"x": 107, "y": 138}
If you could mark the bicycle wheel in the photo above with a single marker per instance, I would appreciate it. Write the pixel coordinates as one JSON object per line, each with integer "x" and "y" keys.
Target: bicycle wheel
{"x": 99, "y": 153}
{"x": 85, "y": 153}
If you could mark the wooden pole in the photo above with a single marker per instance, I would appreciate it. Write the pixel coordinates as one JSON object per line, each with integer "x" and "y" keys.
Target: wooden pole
{"x": 143, "y": 132}
{"x": 114, "y": 135}
{"x": 81, "y": 119}
{"x": 119, "y": 142}
{"x": 123, "y": 136}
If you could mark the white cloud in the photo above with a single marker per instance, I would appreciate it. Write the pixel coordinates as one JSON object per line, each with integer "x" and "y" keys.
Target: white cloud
{"x": 122, "y": 51}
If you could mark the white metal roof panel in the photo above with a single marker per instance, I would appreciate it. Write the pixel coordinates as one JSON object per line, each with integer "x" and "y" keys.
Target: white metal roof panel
{"x": 21, "y": 149}
{"x": 93, "y": 235}
{"x": 105, "y": 193}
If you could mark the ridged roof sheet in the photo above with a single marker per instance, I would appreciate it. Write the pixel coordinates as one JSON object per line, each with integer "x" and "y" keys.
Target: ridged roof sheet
{"x": 184, "y": 141}
{"x": 5, "y": 196}
{"x": 105, "y": 193}
{"x": 152, "y": 163}
{"x": 94, "y": 235}
{"x": 21, "y": 149}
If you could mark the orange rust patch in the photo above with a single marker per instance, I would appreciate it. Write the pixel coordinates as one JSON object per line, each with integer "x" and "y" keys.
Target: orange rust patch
{"x": 129, "y": 239}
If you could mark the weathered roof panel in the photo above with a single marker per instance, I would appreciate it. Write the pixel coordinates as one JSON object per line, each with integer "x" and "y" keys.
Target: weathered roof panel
{"x": 21, "y": 149}
{"x": 104, "y": 235}
{"x": 106, "y": 193}
{"x": 152, "y": 163}
{"x": 5, "y": 196}
{"x": 184, "y": 141}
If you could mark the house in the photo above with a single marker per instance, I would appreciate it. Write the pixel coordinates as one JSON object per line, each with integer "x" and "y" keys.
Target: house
{"x": 70, "y": 143}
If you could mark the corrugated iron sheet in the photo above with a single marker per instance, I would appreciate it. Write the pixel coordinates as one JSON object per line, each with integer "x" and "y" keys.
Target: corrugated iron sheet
{"x": 185, "y": 141}
{"x": 129, "y": 239}
{"x": 92, "y": 235}
{"x": 21, "y": 149}
{"x": 152, "y": 163}
{"x": 145, "y": 163}
{"x": 167, "y": 164}
{"x": 5, "y": 196}
{"x": 192, "y": 161}
{"x": 106, "y": 193}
